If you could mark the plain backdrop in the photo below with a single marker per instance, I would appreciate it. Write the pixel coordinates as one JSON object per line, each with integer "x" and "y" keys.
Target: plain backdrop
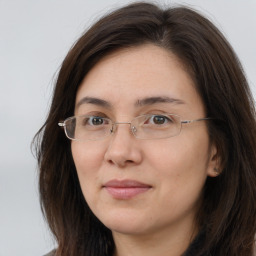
{"x": 35, "y": 36}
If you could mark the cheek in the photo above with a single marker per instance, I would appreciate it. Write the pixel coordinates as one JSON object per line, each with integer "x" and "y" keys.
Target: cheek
{"x": 180, "y": 161}
{"x": 86, "y": 155}
{"x": 88, "y": 158}
{"x": 180, "y": 171}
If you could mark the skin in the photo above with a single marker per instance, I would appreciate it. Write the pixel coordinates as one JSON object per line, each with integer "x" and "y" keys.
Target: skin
{"x": 160, "y": 221}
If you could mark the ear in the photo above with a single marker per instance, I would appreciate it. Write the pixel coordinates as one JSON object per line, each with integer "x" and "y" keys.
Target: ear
{"x": 214, "y": 163}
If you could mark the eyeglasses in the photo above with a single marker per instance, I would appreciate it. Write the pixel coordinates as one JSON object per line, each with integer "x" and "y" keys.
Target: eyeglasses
{"x": 151, "y": 126}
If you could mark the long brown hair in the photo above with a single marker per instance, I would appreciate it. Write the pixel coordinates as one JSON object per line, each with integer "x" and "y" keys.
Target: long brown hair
{"x": 228, "y": 212}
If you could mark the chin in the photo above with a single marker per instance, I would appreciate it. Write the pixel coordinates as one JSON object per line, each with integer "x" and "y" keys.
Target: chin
{"x": 126, "y": 223}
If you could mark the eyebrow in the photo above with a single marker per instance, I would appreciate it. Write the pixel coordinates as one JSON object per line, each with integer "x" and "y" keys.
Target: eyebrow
{"x": 94, "y": 101}
{"x": 138, "y": 103}
{"x": 159, "y": 99}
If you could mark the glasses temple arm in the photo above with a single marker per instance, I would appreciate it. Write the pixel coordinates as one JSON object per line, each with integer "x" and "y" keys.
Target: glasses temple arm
{"x": 196, "y": 120}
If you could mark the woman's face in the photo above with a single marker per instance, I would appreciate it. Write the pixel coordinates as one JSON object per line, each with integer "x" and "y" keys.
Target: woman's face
{"x": 139, "y": 186}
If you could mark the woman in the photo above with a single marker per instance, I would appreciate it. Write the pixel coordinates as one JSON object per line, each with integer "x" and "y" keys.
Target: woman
{"x": 160, "y": 157}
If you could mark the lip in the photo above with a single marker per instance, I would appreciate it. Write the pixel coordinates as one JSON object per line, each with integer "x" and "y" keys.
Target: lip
{"x": 125, "y": 189}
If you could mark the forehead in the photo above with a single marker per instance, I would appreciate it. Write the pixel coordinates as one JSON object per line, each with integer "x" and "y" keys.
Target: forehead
{"x": 144, "y": 71}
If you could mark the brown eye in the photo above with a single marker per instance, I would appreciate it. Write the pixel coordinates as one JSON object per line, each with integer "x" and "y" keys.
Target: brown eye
{"x": 159, "y": 119}
{"x": 96, "y": 120}
{"x": 93, "y": 121}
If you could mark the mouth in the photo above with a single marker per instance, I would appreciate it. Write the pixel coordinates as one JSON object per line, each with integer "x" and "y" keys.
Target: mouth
{"x": 125, "y": 189}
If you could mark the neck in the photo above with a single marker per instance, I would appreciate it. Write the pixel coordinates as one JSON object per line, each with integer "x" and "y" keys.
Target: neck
{"x": 164, "y": 243}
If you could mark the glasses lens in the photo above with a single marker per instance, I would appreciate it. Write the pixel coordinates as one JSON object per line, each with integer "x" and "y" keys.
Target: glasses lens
{"x": 156, "y": 126}
{"x": 70, "y": 125}
{"x": 87, "y": 127}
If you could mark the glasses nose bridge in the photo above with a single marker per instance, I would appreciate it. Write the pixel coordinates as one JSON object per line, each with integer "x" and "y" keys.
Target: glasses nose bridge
{"x": 132, "y": 127}
{"x": 117, "y": 123}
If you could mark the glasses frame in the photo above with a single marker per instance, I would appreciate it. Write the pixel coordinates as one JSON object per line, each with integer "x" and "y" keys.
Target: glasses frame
{"x": 63, "y": 125}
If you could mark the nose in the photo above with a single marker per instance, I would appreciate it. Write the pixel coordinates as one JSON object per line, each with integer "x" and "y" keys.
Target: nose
{"x": 123, "y": 147}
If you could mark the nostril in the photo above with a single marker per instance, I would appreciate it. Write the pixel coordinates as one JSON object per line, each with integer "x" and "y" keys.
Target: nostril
{"x": 119, "y": 162}
{"x": 111, "y": 161}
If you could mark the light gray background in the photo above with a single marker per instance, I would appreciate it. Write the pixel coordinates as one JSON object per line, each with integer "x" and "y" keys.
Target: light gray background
{"x": 35, "y": 35}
